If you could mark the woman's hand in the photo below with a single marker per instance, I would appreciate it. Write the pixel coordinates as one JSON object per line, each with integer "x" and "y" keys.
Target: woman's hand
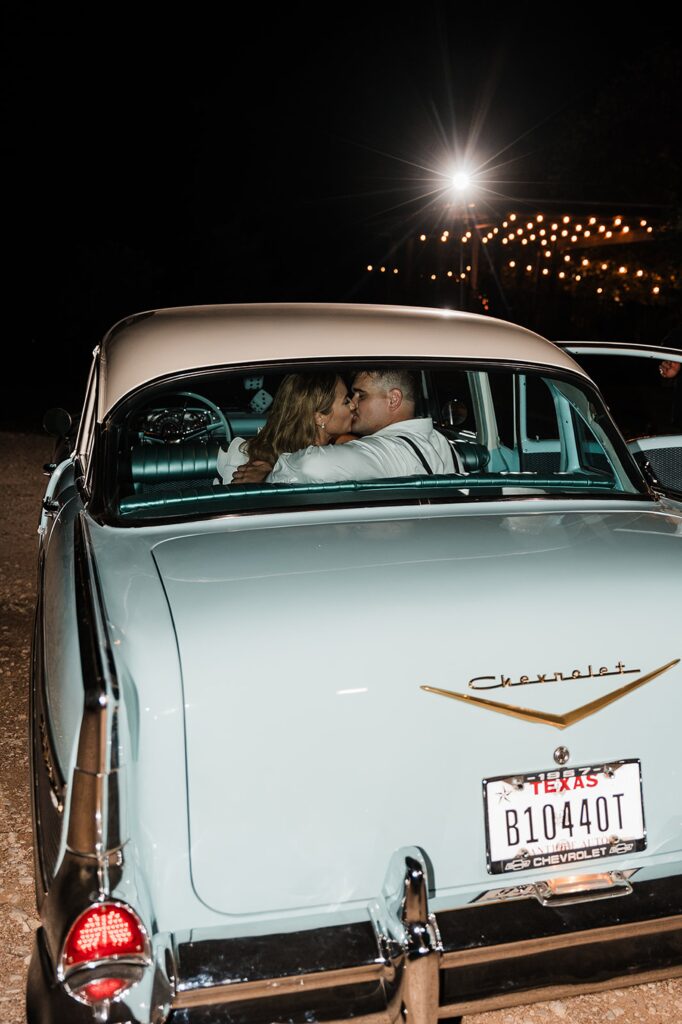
{"x": 345, "y": 438}
{"x": 251, "y": 472}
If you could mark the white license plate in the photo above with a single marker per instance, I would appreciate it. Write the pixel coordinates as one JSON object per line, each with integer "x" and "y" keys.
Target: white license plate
{"x": 565, "y": 817}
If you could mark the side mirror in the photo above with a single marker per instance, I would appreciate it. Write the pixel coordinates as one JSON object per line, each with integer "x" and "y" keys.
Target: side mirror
{"x": 454, "y": 413}
{"x": 57, "y": 422}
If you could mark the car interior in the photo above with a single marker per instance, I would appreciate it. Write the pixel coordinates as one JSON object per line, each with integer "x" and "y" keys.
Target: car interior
{"x": 510, "y": 430}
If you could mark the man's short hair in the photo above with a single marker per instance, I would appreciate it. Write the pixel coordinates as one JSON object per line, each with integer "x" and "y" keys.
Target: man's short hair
{"x": 395, "y": 377}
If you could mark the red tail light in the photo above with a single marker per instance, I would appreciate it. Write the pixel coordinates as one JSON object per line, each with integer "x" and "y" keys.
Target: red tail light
{"x": 104, "y": 932}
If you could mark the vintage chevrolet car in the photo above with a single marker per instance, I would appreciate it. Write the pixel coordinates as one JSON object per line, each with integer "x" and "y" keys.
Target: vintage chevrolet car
{"x": 385, "y": 749}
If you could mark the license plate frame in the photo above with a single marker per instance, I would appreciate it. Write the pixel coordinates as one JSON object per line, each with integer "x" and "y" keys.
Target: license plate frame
{"x": 546, "y": 788}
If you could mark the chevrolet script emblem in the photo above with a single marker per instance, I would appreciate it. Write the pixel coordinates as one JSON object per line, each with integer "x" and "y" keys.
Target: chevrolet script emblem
{"x": 545, "y": 717}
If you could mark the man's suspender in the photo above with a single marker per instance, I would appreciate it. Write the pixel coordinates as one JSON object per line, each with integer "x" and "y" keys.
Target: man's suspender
{"x": 417, "y": 452}
{"x": 420, "y": 455}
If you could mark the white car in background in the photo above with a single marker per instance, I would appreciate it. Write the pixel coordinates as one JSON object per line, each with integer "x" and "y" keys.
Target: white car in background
{"x": 642, "y": 385}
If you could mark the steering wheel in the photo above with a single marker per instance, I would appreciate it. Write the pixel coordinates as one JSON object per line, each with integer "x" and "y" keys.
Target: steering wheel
{"x": 180, "y": 424}
{"x": 210, "y": 429}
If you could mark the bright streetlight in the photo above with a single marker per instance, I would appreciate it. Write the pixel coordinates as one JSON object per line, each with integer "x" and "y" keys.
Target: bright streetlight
{"x": 461, "y": 181}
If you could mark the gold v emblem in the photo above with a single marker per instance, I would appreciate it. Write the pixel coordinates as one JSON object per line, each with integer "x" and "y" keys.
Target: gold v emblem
{"x": 545, "y": 717}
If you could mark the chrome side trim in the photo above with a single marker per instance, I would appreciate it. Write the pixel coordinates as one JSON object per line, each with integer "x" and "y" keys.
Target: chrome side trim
{"x": 51, "y": 767}
{"x": 95, "y": 815}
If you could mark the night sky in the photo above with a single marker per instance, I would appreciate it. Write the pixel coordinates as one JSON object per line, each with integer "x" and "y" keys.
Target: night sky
{"x": 162, "y": 160}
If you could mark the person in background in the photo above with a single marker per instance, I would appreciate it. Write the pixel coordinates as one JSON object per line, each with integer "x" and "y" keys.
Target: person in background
{"x": 668, "y": 413}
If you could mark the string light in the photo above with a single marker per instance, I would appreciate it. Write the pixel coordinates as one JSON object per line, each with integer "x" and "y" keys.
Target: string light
{"x": 528, "y": 234}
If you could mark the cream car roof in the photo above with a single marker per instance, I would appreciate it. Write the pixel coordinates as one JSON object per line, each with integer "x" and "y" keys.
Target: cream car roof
{"x": 162, "y": 342}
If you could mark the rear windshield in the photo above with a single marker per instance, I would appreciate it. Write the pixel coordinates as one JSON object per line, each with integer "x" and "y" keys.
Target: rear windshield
{"x": 264, "y": 438}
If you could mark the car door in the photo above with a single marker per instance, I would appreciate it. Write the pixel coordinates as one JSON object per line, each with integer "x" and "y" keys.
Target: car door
{"x": 642, "y": 386}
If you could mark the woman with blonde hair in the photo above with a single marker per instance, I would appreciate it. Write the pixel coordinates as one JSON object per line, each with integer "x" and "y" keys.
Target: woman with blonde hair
{"x": 308, "y": 409}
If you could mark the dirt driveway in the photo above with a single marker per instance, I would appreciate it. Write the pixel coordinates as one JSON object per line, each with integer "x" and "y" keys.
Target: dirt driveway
{"x": 21, "y": 485}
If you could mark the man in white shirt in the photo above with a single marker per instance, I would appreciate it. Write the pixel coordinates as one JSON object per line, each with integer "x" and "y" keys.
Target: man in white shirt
{"x": 392, "y": 441}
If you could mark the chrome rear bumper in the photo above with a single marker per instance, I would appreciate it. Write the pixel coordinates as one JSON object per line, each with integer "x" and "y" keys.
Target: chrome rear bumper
{"x": 401, "y": 961}
{"x": 477, "y": 958}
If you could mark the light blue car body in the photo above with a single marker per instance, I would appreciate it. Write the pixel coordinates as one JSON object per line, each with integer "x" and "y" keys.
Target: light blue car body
{"x": 270, "y": 762}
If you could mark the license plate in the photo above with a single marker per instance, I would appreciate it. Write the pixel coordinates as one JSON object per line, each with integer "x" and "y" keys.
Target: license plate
{"x": 564, "y": 817}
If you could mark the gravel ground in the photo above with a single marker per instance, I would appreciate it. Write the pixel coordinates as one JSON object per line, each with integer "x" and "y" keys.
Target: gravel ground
{"x": 21, "y": 459}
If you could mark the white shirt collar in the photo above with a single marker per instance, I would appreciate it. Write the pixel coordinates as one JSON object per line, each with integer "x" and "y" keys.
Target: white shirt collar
{"x": 417, "y": 426}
